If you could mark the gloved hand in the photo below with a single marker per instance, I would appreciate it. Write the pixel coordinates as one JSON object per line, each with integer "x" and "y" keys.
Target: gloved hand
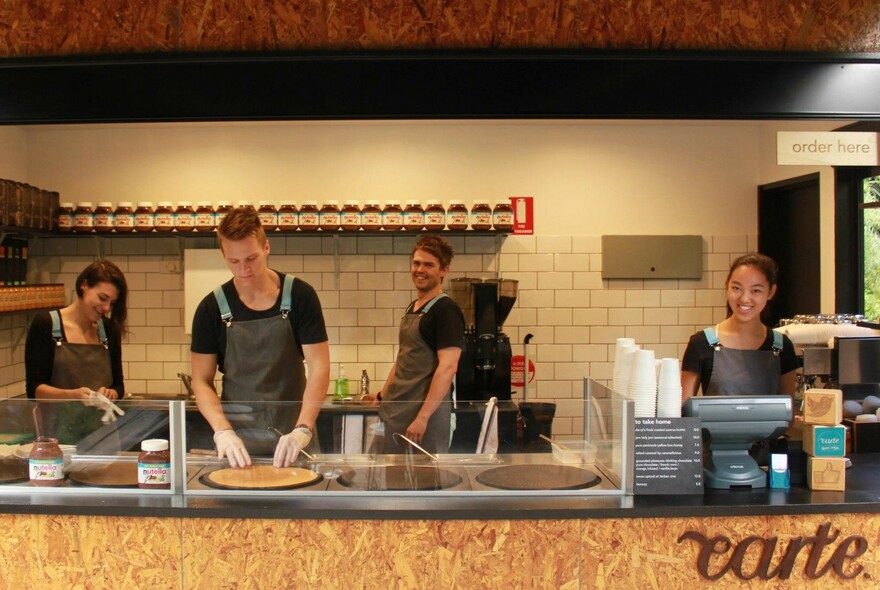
{"x": 96, "y": 400}
{"x": 231, "y": 447}
{"x": 290, "y": 445}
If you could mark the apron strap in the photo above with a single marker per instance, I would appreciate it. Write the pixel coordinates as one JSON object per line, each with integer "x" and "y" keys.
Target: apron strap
{"x": 286, "y": 295}
{"x": 712, "y": 337}
{"x": 102, "y": 333}
{"x": 777, "y": 342}
{"x": 427, "y": 307}
{"x": 57, "y": 335}
{"x": 225, "y": 312}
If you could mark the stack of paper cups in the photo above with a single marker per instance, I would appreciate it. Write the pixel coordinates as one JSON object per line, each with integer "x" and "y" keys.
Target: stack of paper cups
{"x": 623, "y": 364}
{"x": 669, "y": 389}
{"x": 643, "y": 384}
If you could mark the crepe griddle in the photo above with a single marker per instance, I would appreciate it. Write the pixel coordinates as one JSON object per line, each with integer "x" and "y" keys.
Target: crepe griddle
{"x": 399, "y": 477}
{"x": 116, "y": 474}
{"x": 13, "y": 470}
{"x": 260, "y": 477}
{"x": 538, "y": 477}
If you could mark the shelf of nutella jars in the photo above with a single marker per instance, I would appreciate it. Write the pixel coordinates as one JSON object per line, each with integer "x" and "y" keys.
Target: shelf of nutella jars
{"x": 30, "y": 297}
{"x": 289, "y": 216}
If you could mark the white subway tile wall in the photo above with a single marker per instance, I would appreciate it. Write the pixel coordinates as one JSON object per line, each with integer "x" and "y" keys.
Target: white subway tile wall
{"x": 363, "y": 282}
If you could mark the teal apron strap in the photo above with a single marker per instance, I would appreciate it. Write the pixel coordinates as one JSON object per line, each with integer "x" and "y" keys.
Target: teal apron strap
{"x": 286, "y": 295}
{"x": 777, "y": 342}
{"x": 431, "y": 303}
{"x": 56, "y": 326}
{"x": 225, "y": 312}
{"x": 102, "y": 333}
{"x": 711, "y": 336}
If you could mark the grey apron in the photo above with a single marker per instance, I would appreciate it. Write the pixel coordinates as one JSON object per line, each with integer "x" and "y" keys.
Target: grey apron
{"x": 76, "y": 365}
{"x": 744, "y": 372}
{"x": 262, "y": 364}
{"x": 416, "y": 363}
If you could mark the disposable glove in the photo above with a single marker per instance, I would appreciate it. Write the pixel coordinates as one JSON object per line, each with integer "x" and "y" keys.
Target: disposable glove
{"x": 111, "y": 410}
{"x": 231, "y": 447}
{"x": 290, "y": 445}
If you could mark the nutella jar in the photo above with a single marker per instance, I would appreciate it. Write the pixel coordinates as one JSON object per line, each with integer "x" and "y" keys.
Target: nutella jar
{"x": 502, "y": 216}
{"x": 481, "y": 216}
{"x": 144, "y": 217}
{"x": 392, "y": 216}
{"x": 46, "y": 462}
{"x": 205, "y": 217}
{"x": 83, "y": 218}
{"x": 268, "y": 216}
{"x": 245, "y": 204}
{"x": 123, "y": 217}
{"x": 435, "y": 216}
{"x": 184, "y": 217}
{"x": 350, "y": 216}
{"x": 371, "y": 216}
{"x": 308, "y": 216}
{"x": 64, "y": 221}
{"x": 457, "y": 216}
{"x": 154, "y": 465}
{"x": 328, "y": 217}
{"x": 163, "y": 219}
{"x": 413, "y": 216}
{"x": 223, "y": 208}
{"x": 288, "y": 216}
{"x": 104, "y": 217}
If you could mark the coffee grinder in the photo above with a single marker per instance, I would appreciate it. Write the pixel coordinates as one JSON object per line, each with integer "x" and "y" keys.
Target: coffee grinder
{"x": 484, "y": 365}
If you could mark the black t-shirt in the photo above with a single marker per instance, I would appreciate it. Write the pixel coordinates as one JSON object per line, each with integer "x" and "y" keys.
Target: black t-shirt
{"x": 306, "y": 317}
{"x": 443, "y": 325}
{"x": 39, "y": 353}
{"x": 699, "y": 356}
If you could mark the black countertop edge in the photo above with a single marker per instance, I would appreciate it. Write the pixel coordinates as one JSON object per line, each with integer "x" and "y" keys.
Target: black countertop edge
{"x": 397, "y": 508}
{"x": 862, "y": 496}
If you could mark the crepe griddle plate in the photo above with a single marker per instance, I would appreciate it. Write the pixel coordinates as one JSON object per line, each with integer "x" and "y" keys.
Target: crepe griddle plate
{"x": 260, "y": 477}
{"x": 399, "y": 477}
{"x": 538, "y": 477}
{"x": 117, "y": 474}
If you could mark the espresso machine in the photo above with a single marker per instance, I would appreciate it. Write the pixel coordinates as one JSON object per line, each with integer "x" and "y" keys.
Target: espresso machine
{"x": 484, "y": 365}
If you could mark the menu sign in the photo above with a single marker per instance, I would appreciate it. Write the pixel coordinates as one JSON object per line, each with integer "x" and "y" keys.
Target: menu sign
{"x": 668, "y": 456}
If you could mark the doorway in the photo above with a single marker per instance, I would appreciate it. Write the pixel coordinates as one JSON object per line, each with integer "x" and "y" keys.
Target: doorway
{"x": 788, "y": 231}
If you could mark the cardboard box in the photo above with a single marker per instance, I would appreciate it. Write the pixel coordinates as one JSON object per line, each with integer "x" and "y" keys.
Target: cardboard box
{"x": 824, "y": 441}
{"x": 823, "y": 406}
{"x": 865, "y": 436}
{"x": 826, "y": 473}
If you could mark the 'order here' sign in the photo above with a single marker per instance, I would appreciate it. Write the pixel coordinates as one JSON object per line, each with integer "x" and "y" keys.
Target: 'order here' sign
{"x": 826, "y": 148}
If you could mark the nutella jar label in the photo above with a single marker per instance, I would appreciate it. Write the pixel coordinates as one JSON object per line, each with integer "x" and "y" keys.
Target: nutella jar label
{"x": 328, "y": 218}
{"x": 308, "y": 218}
{"x": 154, "y": 474}
{"x": 288, "y": 219}
{"x": 143, "y": 220}
{"x": 502, "y": 218}
{"x": 350, "y": 219}
{"x": 123, "y": 220}
{"x": 457, "y": 218}
{"x": 103, "y": 220}
{"x": 164, "y": 219}
{"x": 268, "y": 219}
{"x": 372, "y": 219}
{"x": 394, "y": 218}
{"x": 481, "y": 218}
{"x": 65, "y": 221}
{"x": 46, "y": 469}
{"x": 435, "y": 218}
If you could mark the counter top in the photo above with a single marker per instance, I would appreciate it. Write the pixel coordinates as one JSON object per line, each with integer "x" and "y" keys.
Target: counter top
{"x": 862, "y": 496}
